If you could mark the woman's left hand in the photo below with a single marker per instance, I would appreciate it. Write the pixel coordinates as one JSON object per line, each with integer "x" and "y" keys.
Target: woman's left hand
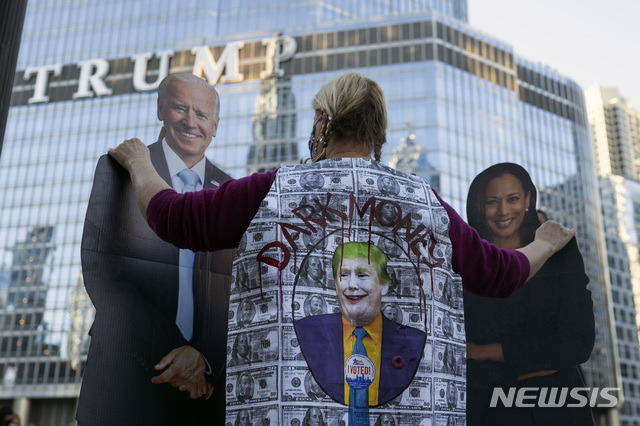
{"x": 134, "y": 156}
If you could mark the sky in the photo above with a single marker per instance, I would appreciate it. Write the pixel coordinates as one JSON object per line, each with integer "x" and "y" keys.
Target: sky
{"x": 589, "y": 41}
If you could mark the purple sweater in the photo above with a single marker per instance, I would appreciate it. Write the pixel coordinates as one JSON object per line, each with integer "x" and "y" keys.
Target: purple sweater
{"x": 215, "y": 219}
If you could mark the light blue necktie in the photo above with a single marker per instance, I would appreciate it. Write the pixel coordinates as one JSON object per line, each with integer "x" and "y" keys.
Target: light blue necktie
{"x": 359, "y": 398}
{"x": 190, "y": 179}
{"x": 184, "y": 316}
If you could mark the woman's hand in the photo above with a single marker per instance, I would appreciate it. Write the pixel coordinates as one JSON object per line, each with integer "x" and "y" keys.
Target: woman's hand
{"x": 554, "y": 234}
{"x": 134, "y": 156}
{"x": 550, "y": 238}
{"x": 129, "y": 153}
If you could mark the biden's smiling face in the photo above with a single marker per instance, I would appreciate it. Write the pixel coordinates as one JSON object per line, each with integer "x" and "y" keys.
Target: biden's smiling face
{"x": 190, "y": 120}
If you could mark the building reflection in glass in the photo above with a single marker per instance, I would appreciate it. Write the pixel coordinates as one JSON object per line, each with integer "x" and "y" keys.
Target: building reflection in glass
{"x": 411, "y": 157}
{"x": 274, "y": 127}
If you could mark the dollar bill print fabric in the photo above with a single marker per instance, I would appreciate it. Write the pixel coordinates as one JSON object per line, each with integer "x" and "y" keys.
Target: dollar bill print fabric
{"x": 281, "y": 372}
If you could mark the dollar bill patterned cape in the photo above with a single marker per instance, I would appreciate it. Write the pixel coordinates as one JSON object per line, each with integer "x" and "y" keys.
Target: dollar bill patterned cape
{"x": 285, "y": 373}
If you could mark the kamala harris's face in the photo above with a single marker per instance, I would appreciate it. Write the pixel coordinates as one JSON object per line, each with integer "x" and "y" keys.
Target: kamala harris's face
{"x": 505, "y": 208}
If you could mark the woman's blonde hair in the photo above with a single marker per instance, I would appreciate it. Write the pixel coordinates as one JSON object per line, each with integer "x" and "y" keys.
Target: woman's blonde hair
{"x": 357, "y": 111}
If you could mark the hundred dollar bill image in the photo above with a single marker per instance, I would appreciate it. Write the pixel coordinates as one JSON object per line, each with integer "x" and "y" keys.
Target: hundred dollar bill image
{"x": 252, "y": 385}
{"x": 266, "y": 415}
{"x": 449, "y": 358}
{"x": 449, "y": 395}
{"x": 300, "y": 414}
{"x": 255, "y": 240}
{"x": 254, "y": 310}
{"x": 447, "y": 325}
{"x": 316, "y": 303}
{"x": 290, "y": 345}
{"x": 450, "y": 420}
{"x": 247, "y": 277}
{"x": 298, "y": 384}
{"x": 252, "y": 347}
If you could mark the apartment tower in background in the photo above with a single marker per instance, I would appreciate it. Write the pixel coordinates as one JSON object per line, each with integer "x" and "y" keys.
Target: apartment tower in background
{"x": 615, "y": 126}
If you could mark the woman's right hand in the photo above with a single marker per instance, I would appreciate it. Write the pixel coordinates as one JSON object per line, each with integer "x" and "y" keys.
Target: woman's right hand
{"x": 130, "y": 152}
{"x": 554, "y": 234}
{"x": 134, "y": 156}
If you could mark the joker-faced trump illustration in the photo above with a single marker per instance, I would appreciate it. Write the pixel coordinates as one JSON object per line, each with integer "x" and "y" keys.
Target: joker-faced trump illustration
{"x": 358, "y": 356}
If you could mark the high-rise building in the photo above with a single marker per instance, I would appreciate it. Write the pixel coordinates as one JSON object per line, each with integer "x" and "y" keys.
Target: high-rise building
{"x": 274, "y": 128}
{"x": 615, "y": 126}
{"x": 24, "y": 306}
{"x": 616, "y": 132}
{"x": 86, "y": 80}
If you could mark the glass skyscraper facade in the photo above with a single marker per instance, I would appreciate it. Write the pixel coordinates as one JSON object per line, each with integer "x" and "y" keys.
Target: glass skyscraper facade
{"x": 459, "y": 100}
{"x": 615, "y": 127}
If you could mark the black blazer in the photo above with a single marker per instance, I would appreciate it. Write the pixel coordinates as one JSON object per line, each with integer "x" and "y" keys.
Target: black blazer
{"x": 547, "y": 324}
{"x": 132, "y": 278}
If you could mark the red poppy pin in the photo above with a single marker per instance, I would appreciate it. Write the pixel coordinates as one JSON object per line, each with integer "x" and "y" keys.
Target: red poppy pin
{"x": 397, "y": 362}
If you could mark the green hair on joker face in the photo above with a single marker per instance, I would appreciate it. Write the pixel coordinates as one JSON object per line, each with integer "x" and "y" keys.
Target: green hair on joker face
{"x": 355, "y": 250}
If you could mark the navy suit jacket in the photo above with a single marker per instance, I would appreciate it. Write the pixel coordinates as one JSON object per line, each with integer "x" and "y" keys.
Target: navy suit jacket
{"x": 131, "y": 276}
{"x": 320, "y": 339}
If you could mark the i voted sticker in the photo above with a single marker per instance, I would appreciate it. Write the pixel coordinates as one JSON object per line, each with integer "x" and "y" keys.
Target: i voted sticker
{"x": 359, "y": 371}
